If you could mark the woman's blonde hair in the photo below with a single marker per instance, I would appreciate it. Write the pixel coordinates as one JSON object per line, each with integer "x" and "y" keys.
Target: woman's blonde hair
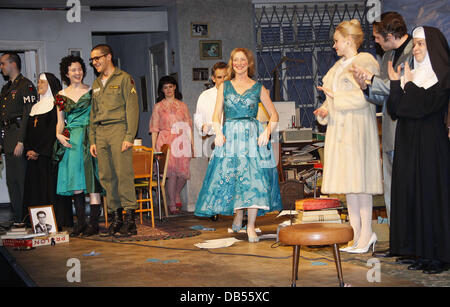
{"x": 353, "y": 29}
{"x": 251, "y": 63}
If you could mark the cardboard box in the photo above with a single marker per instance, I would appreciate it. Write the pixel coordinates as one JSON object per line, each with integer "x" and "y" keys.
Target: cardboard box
{"x": 382, "y": 231}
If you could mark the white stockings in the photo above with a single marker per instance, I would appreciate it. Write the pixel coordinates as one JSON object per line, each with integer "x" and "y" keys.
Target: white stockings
{"x": 360, "y": 214}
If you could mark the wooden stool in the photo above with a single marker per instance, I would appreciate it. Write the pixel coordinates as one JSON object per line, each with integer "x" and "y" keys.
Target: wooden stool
{"x": 316, "y": 234}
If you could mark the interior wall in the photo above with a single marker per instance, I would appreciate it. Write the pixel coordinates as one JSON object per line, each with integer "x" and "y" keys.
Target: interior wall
{"x": 230, "y": 21}
{"x": 58, "y": 35}
{"x": 136, "y": 62}
{"x": 435, "y": 13}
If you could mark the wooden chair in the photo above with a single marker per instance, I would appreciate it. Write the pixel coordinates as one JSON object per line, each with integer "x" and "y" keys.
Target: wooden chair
{"x": 163, "y": 162}
{"x": 143, "y": 171}
{"x": 105, "y": 211}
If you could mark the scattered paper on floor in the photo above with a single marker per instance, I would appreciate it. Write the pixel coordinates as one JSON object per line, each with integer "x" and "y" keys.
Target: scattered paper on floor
{"x": 217, "y": 243}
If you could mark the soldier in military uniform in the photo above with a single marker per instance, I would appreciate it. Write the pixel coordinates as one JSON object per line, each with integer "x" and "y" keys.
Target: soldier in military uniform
{"x": 16, "y": 99}
{"x": 113, "y": 126}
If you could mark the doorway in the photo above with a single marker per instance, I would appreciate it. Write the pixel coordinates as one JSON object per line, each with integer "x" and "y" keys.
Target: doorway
{"x": 29, "y": 65}
{"x": 158, "y": 66}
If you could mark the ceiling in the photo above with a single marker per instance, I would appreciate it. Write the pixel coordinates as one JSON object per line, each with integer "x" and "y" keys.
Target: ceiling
{"x": 37, "y": 4}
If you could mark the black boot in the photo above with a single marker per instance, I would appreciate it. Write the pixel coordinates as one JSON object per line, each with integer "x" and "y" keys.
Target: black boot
{"x": 92, "y": 228}
{"x": 116, "y": 223}
{"x": 129, "y": 224}
{"x": 436, "y": 267}
{"x": 79, "y": 203}
{"x": 419, "y": 265}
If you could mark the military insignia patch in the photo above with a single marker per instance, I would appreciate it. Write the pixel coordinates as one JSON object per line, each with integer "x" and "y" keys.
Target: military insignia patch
{"x": 133, "y": 90}
{"x": 29, "y": 99}
{"x": 114, "y": 86}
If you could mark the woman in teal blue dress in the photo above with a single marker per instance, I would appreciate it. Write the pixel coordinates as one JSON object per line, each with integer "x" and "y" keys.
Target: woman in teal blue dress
{"x": 242, "y": 172}
{"x": 77, "y": 171}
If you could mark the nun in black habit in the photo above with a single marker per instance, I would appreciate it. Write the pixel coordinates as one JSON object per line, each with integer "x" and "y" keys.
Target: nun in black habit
{"x": 420, "y": 218}
{"x": 40, "y": 183}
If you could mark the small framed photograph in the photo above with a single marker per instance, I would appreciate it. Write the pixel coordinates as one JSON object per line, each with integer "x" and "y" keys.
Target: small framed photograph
{"x": 200, "y": 74}
{"x": 199, "y": 29}
{"x": 210, "y": 50}
{"x": 43, "y": 219}
{"x": 76, "y": 52}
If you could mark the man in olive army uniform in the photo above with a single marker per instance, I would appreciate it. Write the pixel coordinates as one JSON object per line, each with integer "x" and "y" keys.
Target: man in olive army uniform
{"x": 113, "y": 126}
{"x": 16, "y": 99}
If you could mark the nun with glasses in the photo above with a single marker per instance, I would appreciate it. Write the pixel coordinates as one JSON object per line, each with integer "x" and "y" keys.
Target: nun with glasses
{"x": 40, "y": 181}
{"x": 418, "y": 100}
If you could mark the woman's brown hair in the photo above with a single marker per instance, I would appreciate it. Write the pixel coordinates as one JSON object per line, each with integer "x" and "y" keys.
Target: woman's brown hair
{"x": 251, "y": 63}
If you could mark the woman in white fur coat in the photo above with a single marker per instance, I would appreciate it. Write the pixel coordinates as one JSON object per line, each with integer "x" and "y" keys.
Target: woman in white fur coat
{"x": 352, "y": 152}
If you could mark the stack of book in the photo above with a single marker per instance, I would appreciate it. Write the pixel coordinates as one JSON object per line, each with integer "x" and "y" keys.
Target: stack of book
{"x": 25, "y": 238}
{"x": 318, "y": 210}
{"x": 318, "y": 216}
{"x": 19, "y": 233}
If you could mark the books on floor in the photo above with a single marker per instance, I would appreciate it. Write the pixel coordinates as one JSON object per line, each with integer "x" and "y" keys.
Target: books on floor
{"x": 18, "y": 229}
{"x": 20, "y": 233}
{"x": 28, "y": 239}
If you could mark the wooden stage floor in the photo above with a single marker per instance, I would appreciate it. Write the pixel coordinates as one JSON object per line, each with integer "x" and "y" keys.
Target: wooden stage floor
{"x": 178, "y": 263}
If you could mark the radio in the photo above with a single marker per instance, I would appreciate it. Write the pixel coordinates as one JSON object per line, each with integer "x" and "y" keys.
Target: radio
{"x": 297, "y": 135}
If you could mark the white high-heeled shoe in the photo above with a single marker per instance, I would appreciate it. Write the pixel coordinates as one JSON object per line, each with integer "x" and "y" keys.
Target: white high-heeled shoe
{"x": 372, "y": 241}
{"x": 346, "y": 249}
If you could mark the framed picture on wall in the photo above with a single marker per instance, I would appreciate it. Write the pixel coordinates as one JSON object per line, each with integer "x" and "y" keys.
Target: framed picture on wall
{"x": 200, "y": 74}
{"x": 76, "y": 52}
{"x": 210, "y": 50}
{"x": 199, "y": 29}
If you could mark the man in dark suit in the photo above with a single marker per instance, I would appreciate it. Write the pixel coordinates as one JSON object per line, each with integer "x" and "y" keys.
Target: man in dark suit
{"x": 16, "y": 98}
{"x": 42, "y": 227}
{"x": 392, "y": 36}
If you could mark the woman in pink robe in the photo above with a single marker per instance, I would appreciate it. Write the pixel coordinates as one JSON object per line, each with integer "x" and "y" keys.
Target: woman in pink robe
{"x": 171, "y": 124}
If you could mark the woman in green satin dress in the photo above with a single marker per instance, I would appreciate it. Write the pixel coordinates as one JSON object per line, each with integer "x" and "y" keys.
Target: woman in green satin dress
{"x": 77, "y": 172}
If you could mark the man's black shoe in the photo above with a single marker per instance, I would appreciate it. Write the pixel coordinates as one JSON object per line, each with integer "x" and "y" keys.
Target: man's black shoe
{"x": 436, "y": 267}
{"x": 78, "y": 230}
{"x": 419, "y": 264}
{"x": 384, "y": 254}
{"x": 90, "y": 231}
{"x": 405, "y": 260}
